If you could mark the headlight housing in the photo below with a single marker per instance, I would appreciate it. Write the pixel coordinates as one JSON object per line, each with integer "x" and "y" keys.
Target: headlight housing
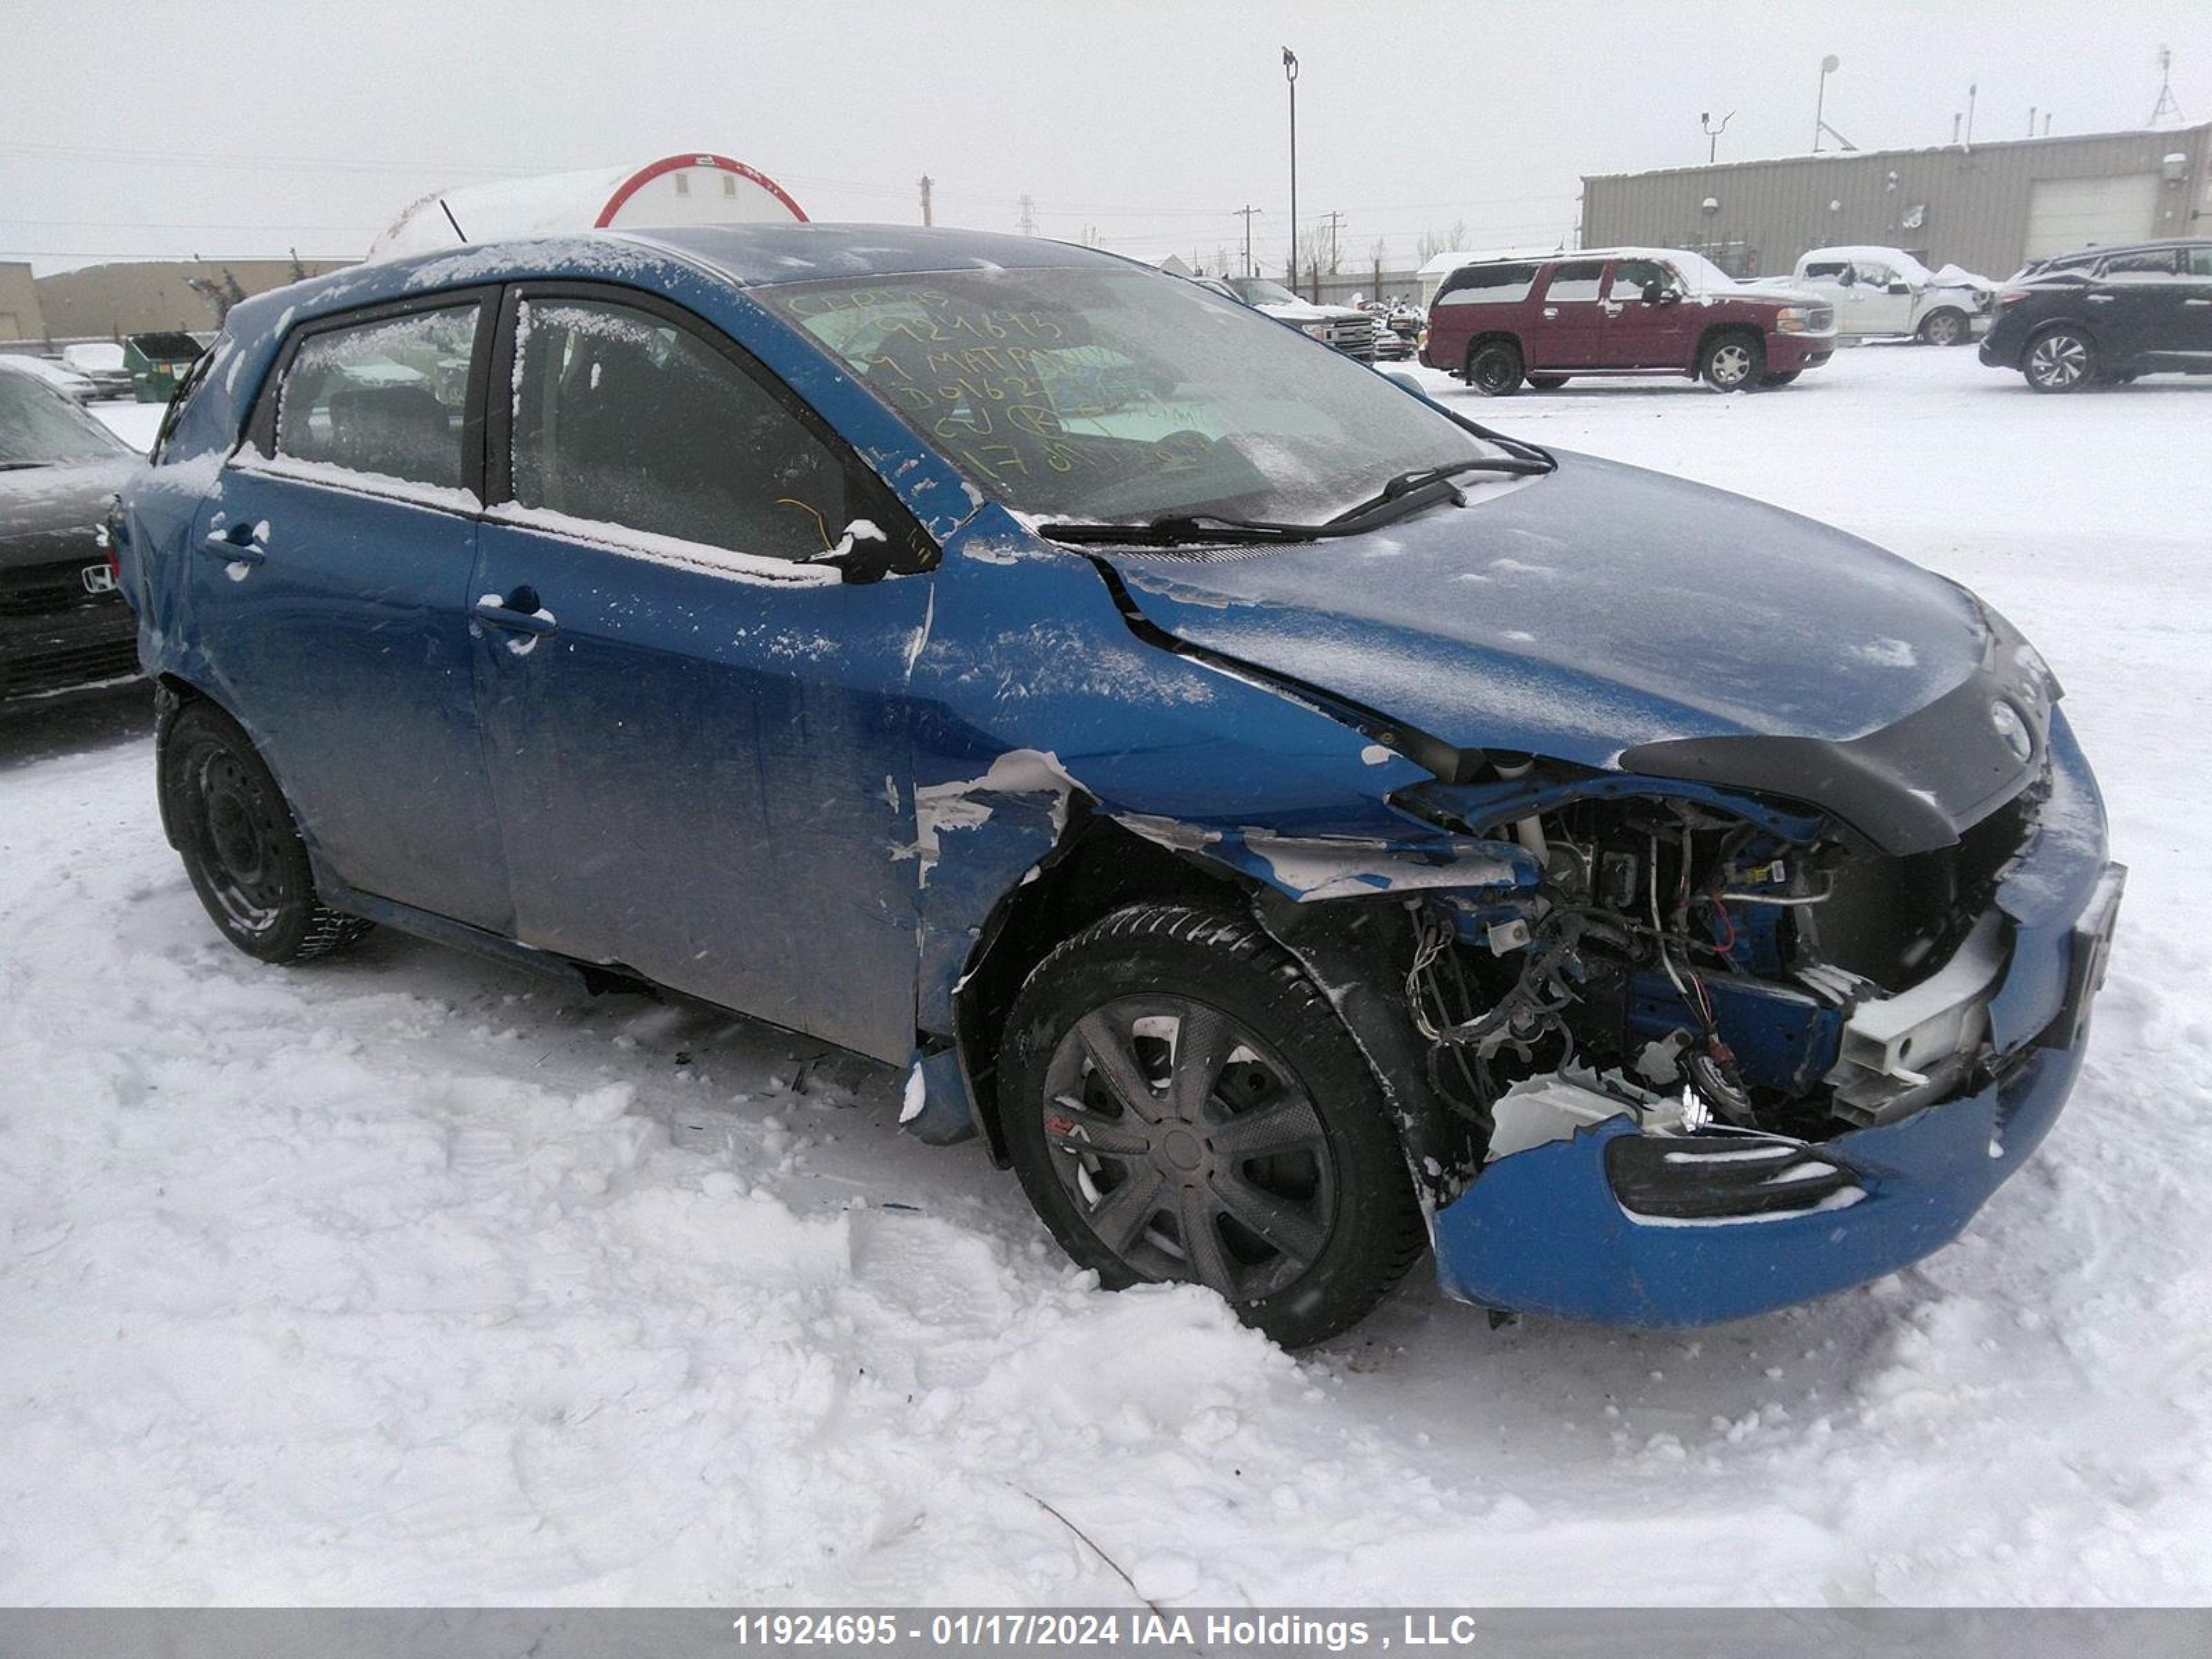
{"x": 1314, "y": 330}
{"x": 1793, "y": 320}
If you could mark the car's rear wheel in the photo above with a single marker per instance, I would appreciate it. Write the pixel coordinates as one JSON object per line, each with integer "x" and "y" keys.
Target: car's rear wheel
{"x": 2060, "y": 360}
{"x": 1943, "y": 328}
{"x": 1780, "y": 377}
{"x": 240, "y": 847}
{"x": 1730, "y": 362}
{"x": 1181, "y": 1103}
{"x": 1493, "y": 367}
{"x": 1547, "y": 382}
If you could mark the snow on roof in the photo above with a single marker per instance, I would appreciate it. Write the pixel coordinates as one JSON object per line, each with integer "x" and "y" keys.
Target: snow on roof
{"x": 556, "y": 202}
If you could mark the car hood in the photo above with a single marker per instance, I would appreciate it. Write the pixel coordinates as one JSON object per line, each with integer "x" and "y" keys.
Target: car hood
{"x": 1581, "y": 614}
{"x": 1305, "y": 313}
{"x": 51, "y": 513}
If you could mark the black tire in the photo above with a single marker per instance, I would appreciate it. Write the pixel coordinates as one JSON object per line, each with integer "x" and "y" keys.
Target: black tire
{"x": 1252, "y": 1052}
{"x": 1731, "y": 361}
{"x": 1493, "y": 367}
{"x": 1780, "y": 377}
{"x": 1945, "y": 327}
{"x": 2062, "y": 359}
{"x": 239, "y": 845}
{"x": 1547, "y": 382}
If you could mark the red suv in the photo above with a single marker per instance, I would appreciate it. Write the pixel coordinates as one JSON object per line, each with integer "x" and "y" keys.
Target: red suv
{"x": 1620, "y": 311}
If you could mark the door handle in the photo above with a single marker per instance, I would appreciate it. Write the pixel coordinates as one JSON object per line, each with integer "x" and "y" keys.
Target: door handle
{"x": 2099, "y": 298}
{"x": 2197, "y": 302}
{"x": 1550, "y": 311}
{"x": 519, "y": 612}
{"x": 237, "y": 544}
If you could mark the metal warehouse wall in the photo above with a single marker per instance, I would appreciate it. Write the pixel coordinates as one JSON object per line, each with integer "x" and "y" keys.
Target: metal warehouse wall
{"x": 1974, "y": 200}
{"x": 20, "y": 316}
{"x": 140, "y": 296}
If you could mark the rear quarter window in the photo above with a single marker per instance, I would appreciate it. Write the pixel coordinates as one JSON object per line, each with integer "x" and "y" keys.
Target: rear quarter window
{"x": 1489, "y": 285}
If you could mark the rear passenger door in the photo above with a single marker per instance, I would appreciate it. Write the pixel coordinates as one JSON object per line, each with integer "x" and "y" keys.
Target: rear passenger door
{"x": 2136, "y": 306}
{"x": 698, "y": 741}
{"x": 329, "y": 594}
{"x": 2192, "y": 336}
{"x": 1571, "y": 331}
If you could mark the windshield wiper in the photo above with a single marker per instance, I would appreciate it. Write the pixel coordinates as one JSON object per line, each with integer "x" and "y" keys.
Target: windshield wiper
{"x": 20, "y": 466}
{"x": 1408, "y": 492}
{"x": 1182, "y": 529}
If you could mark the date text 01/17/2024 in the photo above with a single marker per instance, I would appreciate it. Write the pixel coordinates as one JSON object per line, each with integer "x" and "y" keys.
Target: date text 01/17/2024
{"x": 1017, "y": 1629}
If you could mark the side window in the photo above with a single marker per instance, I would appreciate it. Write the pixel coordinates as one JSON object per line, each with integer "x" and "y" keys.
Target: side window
{"x": 1825, "y": 270}
{"x": 2157, "y": 262}
{"x": 2200, "y": 261}
{"x": 1577, "y": 279}
{"x": 1875, "y": 276}
{"x": 624, "y": 418}
{"x": 1489, "y": 285}
{"x": 1631, "y": 277}
{"x": 384, "y": 399}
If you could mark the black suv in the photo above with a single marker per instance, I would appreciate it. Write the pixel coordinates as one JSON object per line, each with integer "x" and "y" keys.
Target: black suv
{"x": 2106, "y": 314}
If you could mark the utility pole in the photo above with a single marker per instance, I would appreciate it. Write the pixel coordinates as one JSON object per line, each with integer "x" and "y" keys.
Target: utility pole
{"x": 1029, "y": 216}
{"x": 1245, "y": 213}
{"x": 1829, "y": 66}
{"x": 1335, "y": 219}
{"x": 1971, "y": 91}
{"x": 1290, "y": 75}
{"x": 925, "y": 219}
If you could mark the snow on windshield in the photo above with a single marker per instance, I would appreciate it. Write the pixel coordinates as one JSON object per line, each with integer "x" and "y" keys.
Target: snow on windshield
{"x": 1122, "y": 395}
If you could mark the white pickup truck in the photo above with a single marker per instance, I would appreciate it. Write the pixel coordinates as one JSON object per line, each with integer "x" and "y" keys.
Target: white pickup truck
{"x": 1885, "y": 291}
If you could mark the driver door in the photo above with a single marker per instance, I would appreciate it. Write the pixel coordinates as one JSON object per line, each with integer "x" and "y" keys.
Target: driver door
{"x": 1647, "y": 333}
{"x": 697, "y": 740}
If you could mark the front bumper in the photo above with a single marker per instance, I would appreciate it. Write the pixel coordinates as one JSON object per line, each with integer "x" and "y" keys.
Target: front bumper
{"x": 90, "y": 645}
{"x": 1545, "y": 1231}
{"x": 1786, "y": 352}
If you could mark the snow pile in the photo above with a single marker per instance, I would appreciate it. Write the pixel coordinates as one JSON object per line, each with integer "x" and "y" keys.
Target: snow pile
{"x": 403, "y": 1279}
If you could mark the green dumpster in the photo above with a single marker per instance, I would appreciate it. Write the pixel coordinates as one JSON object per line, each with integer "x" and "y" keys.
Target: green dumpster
{"x": 157, "y": 362}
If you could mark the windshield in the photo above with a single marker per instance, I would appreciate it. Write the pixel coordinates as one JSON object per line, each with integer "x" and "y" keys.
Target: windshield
{"x": 1259, "y": 291}
{"x": 1099, "y": 395}
{"x": 1700, "y": 274}
{"x": 38, "y": 427}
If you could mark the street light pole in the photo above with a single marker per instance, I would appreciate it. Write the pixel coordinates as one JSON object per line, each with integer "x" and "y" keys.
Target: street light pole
{"x": 1828, "y": 67}
{"x": 1713, "y": 134}
{"x": 1290, "y": 75}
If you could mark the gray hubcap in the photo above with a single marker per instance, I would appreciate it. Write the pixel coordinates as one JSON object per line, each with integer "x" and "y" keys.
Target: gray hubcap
{"x": 1188, "y": 1145}
{"x": 1942, "y": 331}
{"x": 2059, "y": 361}
{"x": 1731, "y": 364}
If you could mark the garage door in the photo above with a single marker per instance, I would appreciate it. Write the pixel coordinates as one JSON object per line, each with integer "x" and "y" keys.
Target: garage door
{"x": 2064, "y": 214}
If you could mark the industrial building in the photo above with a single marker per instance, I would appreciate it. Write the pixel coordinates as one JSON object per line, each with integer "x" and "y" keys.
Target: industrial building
{"x": 142, "y": 296}
{"x": 20, "y": 316}
{"x": 1988, "y": 207}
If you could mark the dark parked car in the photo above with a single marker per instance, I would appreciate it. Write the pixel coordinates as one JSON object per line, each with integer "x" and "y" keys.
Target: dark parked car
{"x": 1620, "y": 311}
{"x": 2109, "y": 315}
{"x": 63, "y": 624}
{"x": 1293, "y": 825}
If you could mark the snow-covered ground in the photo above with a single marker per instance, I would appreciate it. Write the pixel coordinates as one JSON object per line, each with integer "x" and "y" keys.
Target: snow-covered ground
{"x": 405, "y": 1278}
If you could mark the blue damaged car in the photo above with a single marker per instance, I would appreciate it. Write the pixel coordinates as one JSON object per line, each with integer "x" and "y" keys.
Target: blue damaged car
{"x": 1295, "y": 828}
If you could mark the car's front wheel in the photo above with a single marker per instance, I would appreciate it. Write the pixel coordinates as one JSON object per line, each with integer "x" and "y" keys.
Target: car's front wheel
{"x": 1730, "y": 362}
{"x": 1493, "y": 368}
{"x": 240, "y": 847}
{"x": 2060, "y": 360}
{"x": 1181, "y": 1103}
{"x": 1943, "y": 328}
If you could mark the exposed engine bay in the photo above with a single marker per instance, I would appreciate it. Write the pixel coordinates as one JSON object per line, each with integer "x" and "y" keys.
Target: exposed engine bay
{"x": 1702, "y": 972}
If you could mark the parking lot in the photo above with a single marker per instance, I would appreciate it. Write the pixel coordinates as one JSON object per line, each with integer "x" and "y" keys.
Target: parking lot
{"x": 403, "y": 1278}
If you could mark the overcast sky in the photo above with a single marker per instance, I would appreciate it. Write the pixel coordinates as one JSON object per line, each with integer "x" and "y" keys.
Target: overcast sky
{"x": 248, "y": 127}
